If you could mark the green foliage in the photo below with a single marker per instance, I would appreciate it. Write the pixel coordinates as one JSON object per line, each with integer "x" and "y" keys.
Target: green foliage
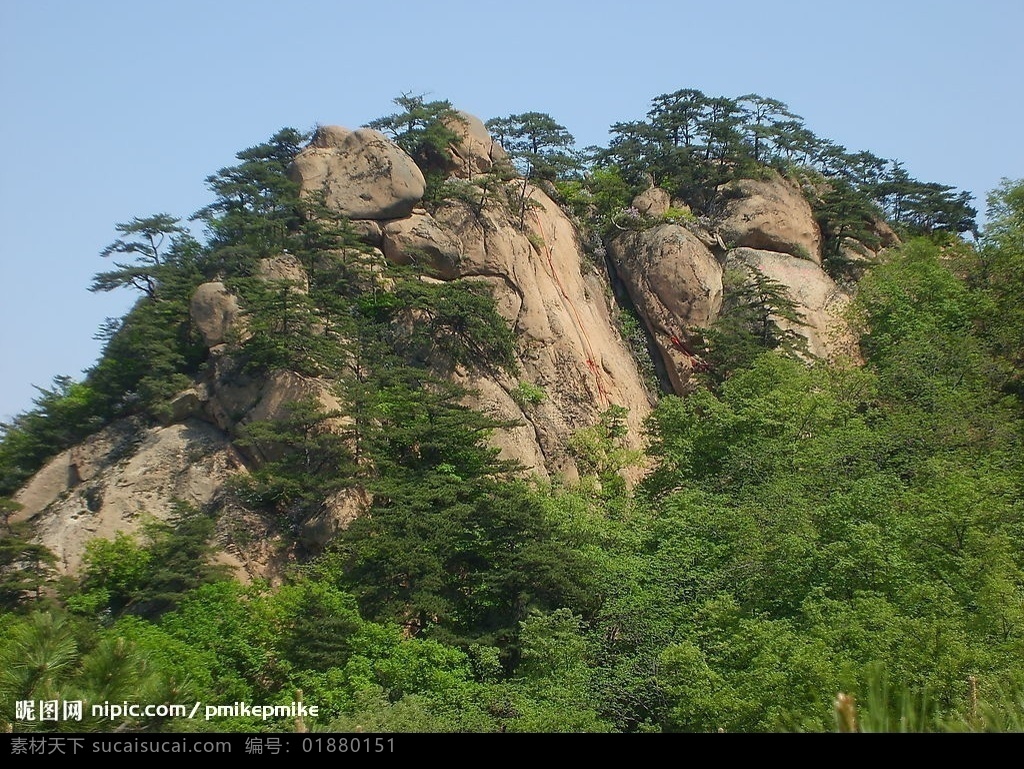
{"x": 281, "y": 329}
{"x": 114, "y": 572}
{"x": 447, "y": 543}
{"x": 423, "y": 129}
{"x": 419, "y": 128}
{"x": 230, "y": 627}
{"x": 598, "y": 197}
{"x": 125, "y": 576}
{"x": 600, "y": 451}
{"x": 674, "y": 215}
{"x": 757, "y": 315}
{"x": 26, "y": 568}
{"x": 925, "y": 208}
{"x": 539, "y": 146}
{"x": 528, "y": 394}
{"x": 257, "y": 205}
{"x": 842, "y": 513}
{"x": 152, "y": 352}
{"x": 149, "y": 357}
{"x": 37, "y": 652}
{"x": 41, "y": 659}
{"x": 844, "y": 214}
{"x": 639, "y": 343}
{"x": 306, "y": 459}
{"x": 540, "y": 150}
{"x": 456, "y": 324}
{"x": 997, "y": 274}
{"x": 692, "y": 143}
{"x": 320, "y": 626}
{"x": 151, "y": 266}
{"x": 63, "y": 415}
{"x": 918, "y": 320}
{"x": 801, "y": 526}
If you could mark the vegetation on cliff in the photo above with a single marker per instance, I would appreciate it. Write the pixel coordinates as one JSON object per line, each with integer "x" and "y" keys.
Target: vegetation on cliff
{"x": 803, "y": 528}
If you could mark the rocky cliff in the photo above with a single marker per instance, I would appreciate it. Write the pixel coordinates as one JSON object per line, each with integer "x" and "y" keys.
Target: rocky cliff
{"x": 673, "y": 268}
{"x": 572, "y": 361}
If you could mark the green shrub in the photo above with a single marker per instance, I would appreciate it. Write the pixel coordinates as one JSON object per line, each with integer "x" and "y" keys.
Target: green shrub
{"x": 527, "y": 393}
{"x": 678, "y": 216}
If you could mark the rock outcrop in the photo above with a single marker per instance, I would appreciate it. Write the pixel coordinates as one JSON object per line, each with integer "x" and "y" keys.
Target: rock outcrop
{"x": 818, "y": 299}
{"x": 215, "y": 312}
{"x": 675, "y": 283}
{"x": 674, "y": 273}
{"x": 285, "y": 268}
{"x": 572, "y": 362}
{"x": 856, "y": 255}
{"x": 419, "y": 239}
{"x": 769, "y": 215}
{"x": 362, "y": 174}
{"x": 122, "y": 476}
{"x": 474, "y": 151}
{"x": 559, "y": 308}
{"x": 653, "y": 202}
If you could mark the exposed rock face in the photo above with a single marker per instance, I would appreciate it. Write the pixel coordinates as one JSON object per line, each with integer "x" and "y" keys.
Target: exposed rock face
{"x": 112, "y": 481}
{"x": 363, "y": 174}
{"x": 229, "y": 398}
{"x": 329, "y": 137}
{"x": 115, "y": 480}
{"x": 770, "y": 215}
{"x": 887, "y": 237}
{"x": 215, "y": 312}
{"x": 675, "y": 283}
{"x": 418, "y": 239}
{"x": 475, "y": 152}
{"x": 339, "y": 511}
{"x": 654, "y": 202}
{"x": 859, "y": 253}
{"x": 573, "y": 364}
{"x": 560, "y": 312}
{"x": 284, "y": 268}
{"x": 368, "y": 231}
{"x": 818, "y": 299}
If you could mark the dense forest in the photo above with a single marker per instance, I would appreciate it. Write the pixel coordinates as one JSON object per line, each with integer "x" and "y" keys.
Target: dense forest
{"x": 813, "y": 545}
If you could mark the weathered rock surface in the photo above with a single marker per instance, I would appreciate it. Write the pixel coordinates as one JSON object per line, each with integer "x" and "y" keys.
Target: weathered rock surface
{"x": 284, "y": 268}
{"x": 117, "y": 478}
{"x": 363, "y": 174}
{"x": 560, "y": 312}
{"x": 770, "y": 215}
{"x": 215, "y": 312}
{"x": 475, "y": 152}
{"x": 573, "y": 364}
{"x": 230, "y": 399}
{"x": 675, "y": 283}
{"x": 887, "y": 237}
{"x": 818, "y": 298}
{"x": 338, "y": 512}
{"x": 368, "y": 230}
{"x": 329, "y": 137}
{"x": 418, "y": 239}
{"x": 653, "y": 202}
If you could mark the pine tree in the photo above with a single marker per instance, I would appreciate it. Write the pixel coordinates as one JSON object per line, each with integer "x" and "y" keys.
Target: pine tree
{"x": 758, "y": 315}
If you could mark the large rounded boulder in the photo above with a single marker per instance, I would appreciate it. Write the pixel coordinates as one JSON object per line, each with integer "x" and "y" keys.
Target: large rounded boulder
{"x": 473, "y": 151}
{"x": 362, "y": 174}
{"x": 769, "y": 215}
{"x": 675, "y": 283}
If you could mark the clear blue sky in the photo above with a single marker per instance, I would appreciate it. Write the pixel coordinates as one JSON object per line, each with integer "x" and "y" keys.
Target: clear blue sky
{"x": 117, "y": 109}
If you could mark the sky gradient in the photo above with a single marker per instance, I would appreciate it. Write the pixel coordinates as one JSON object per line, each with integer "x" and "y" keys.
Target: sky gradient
{"x": 120, "y": 109}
